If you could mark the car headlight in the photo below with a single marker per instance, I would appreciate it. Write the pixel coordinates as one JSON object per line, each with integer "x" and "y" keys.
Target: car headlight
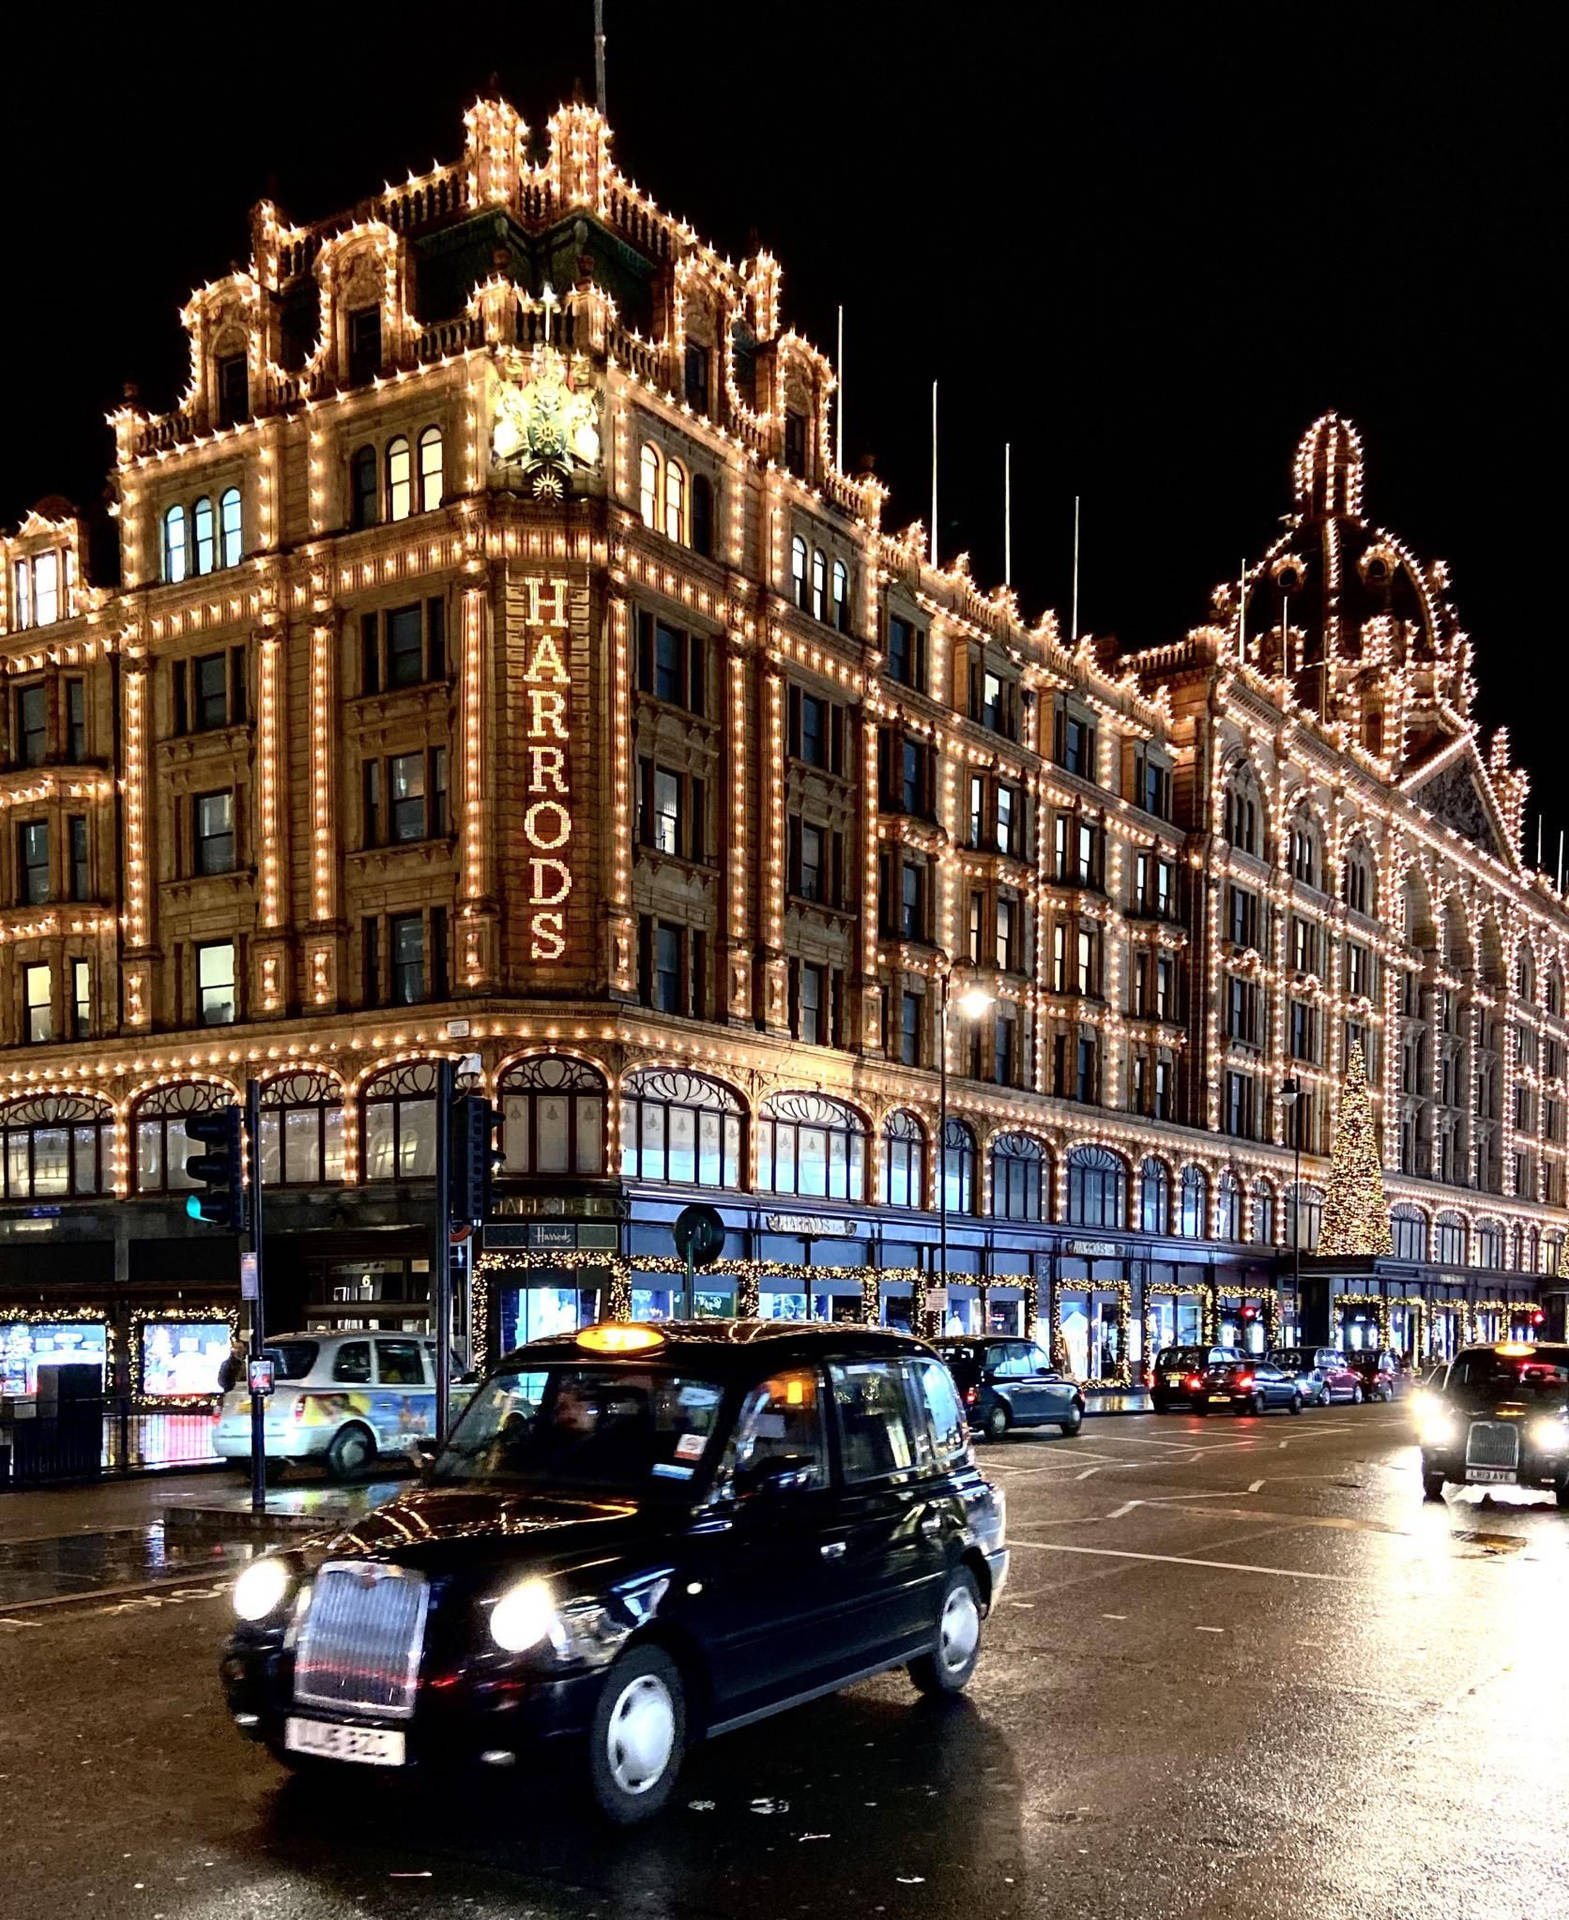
{"x": 523, "y": 1616}
{"x": 1438, "y": 1428}
{"x": 1549, "y": 1436}
{"x": 262, "y": 1588}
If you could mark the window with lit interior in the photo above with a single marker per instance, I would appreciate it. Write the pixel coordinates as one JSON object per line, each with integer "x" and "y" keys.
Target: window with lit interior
{"x": 553, "y": 1116}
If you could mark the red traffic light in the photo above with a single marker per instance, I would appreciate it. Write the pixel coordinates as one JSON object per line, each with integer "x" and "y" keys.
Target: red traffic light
{"x": 1537, "y": 1316}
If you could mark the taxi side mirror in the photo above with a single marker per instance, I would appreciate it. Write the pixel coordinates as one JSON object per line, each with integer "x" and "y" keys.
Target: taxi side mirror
{"x": 423, "y": 1453}
{"x": 775, "y": 1474}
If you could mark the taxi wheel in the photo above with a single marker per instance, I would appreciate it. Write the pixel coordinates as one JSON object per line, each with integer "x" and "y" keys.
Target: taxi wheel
{"x": 1296, "y": 1403}
{"x": 948, "y": 1667}
{"x": 995, "y": 1425}
{"x": 636, "y": 1743}
{"x": 352, "y": 1450}
{"x": 1074, "y": 1421}
{"x": 1563, "y": 1496}
{"x": 1433, "y": 1487}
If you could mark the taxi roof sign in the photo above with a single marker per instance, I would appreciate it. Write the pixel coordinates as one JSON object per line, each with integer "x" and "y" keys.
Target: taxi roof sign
{"x": 620, "y": 1336}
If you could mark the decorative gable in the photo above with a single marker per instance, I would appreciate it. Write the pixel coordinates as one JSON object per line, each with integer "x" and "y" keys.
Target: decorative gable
{"x": 1457, "y": 796}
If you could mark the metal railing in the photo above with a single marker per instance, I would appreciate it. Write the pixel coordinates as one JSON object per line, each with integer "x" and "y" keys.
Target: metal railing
{"x": 99, "y": 1437}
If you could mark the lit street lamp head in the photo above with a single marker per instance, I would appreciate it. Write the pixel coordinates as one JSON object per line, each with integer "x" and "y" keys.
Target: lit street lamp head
{"x": 975, "y": 1003}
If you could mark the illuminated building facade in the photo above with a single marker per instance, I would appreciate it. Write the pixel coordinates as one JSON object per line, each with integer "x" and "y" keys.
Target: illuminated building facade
{"x": 500, "y": 664}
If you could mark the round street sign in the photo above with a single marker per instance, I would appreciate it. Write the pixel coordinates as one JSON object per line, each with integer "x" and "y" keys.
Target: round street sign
{"x": 699, "y": 1235}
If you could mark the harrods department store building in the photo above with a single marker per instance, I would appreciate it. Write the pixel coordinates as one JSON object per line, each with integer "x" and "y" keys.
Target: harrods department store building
{"x": 494, "y": 660}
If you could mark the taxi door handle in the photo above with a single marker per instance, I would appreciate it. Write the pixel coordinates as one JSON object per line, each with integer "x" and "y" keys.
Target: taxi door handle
{"x": 832, "y": 1549}
{"x": 931, "y": 1522}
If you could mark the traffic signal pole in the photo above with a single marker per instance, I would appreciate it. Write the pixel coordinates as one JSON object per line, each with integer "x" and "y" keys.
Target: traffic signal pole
{"x": 258, "y": 1320}
{"x": 441, "y": 1244}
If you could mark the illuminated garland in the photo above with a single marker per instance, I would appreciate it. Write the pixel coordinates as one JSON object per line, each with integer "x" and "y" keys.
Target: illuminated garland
{"x": 180, "y": 1315}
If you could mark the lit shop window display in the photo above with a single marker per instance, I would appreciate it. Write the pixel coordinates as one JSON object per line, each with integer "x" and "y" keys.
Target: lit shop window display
{"x": 180, "y": 1358}
{"x": 27, "y": 1345}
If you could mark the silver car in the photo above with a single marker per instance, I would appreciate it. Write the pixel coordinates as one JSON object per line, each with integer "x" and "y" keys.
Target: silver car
{"x": 1301, "y": 1363}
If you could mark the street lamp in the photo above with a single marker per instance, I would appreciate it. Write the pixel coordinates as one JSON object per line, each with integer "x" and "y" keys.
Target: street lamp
{"x": 1290, "y": 1094}
{"x": 973, "y": 1003}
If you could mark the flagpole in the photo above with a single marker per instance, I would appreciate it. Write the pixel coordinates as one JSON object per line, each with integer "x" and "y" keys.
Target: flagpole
{"x": 1007, "y": 513}
{"x": 599, "y": 56}
{"x": 1242, "y": 609}
{"x": 839, "y": 410}
{"x": 932, "y": 543}
{"x": 1073, "y": 621}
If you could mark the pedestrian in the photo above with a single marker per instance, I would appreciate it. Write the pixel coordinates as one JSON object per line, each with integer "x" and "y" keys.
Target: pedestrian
{"x": 231, "y": 1369}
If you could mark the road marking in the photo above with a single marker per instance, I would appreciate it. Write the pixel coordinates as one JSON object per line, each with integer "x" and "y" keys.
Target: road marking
{"x": 1086, "y": 1473}
{"x": 1209, "y": 1629}
{"x": 1126, "y": 1507}
{"x": 1255, "y": 1486}
{"x": 1114, "y": 1616}
{"x": 1185, "y": 1560}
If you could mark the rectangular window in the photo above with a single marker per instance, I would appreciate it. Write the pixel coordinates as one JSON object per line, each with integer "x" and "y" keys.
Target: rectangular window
{"x": 977, "y": 809}
{"x": 1008, "y": 956}
{"x": 405, "y": 646}
{"x": 1151, "y": 785}
{"x": 810, "y": 878}
{"x": 810, "y": 1008}
{"x": 38, "y": 1002}
{"x": 912, "y": 922}
{"x": 977, "y": 926}
{"x": 1356, "y": 969}
{"x": 910, "y": 1029}
{"x": 667, "y": 995}
{"x": 1087, "y": 961}
{"x": 1304, "y": 945}
{"x": 81, "y": 1000}
{"x": 991, "y": 712}
{"x": 1303, "y": 1031}
{"x": 1078, "y": 747}
{"x": 81, "y": 877}
{"x": 814, "y": 730}
{"x": 795, "y": 443}
{"x": 696, "y": 377}
{"x": 209, "y": 692}
{"x": 1005, "y": 1048}
{"x": 1059, "y": 957}
{"x": 32, "y": 726}
{"x": 906, "y": 653}
{"x": 32, "y": 861}
{"x": 1243, "y": 917}
{"x": 364, "y": 344}
{"x": 665, "y": 812}
{"x": 1163, "y": 1087}
{"x": 1165, "y": 987}
{"x": 1087, "y": 1072}
{"x": 1006, "y": 801}
{"x": 370, "y": 962}
{"x": 215, "y": 995}
{"x": 1239, "y": 1105}
{"x": 910, "y": 777}
{"x": 76, "y": 721}
{"x": 406, "y": 939}
{"x": 213, "y": 832}
{"x": 234, "y": 391}
{"x": 406, "y": 790}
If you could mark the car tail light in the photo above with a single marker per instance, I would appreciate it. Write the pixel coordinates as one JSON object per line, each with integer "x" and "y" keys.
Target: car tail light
{"x": 299, "y": 1407}
{"x": 1194, "y": 1380}
{"x": 1244, "y": 1379}
{"x": 970, "y": 1396}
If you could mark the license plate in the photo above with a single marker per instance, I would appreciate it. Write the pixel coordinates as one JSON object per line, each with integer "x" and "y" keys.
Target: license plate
{"x": 1173, "y": 1379}
{"x": 374, "y": 1746}
{"x": 1216, "y": 1397}
{"x": 1490, "y": 1473}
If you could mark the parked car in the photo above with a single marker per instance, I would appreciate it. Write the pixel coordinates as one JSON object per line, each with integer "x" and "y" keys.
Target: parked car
{"x": 638, "y": 1536}
{"x": 1178, "y": 1375}
{"x": 1011, "y": 1383}
{"x": 1325, "y": 1367}
{"x": 1248, "y": 1386}
{"x": 1381, "y": 1372}
{"x": 1501, "y": 1416}
{"x": 345, "y": 1399}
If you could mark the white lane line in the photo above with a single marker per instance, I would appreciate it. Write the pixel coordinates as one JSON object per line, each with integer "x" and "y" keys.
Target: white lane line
{"x": 1185, "y": 1560}
{"x": 1255, "y": 1486}
{"x": 1209, "y": 1629}
{"x": 1086, "y": 1473}
{"x": 1126, "y": 1507}
{"x": 1114, "y": 1616}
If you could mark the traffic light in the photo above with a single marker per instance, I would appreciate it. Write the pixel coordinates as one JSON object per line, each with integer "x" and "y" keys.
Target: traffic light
{"x": 1537, "y": 1317}
{"x": 221, "y": 1169}
{"x": 474, "y": 1157}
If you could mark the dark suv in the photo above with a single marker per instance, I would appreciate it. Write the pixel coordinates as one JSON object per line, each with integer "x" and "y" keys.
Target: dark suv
{"x": 1011, "y": 1383}
{"x": 1501, "y": 1417}
{"x": 1177, "y": 1378}
{"x": 643, "y": 1535}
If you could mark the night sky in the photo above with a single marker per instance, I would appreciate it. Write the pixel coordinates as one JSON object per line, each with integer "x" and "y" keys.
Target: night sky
{"x": 1145, "y": 245}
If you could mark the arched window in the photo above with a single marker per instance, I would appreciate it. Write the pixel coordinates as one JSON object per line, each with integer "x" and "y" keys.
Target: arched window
{"x": 904, "y": 1160}
{"x": 174, "y": 555}
{"x": 430, "y": 470}
{"x": 1191, "y": 1223}
{"x": 364, "y": 501}
{"x": 819, "y": 584}
{"x": 1018, "y": 1178}
{"x": 160, "y": 1145}
{"x": 1525, "y": 973}
{"x": 702, "y": 515}
{"x": 1097, "y": 1188}
{"x": 1154, "y": 1198}
{"x": 1487, "y": 1244}
{"x": 302, "y": 1131}
{"x": 230, "y": 528}
{"x": 1449, "y": 1240}
{"x": 798, "y": 571}
{"x": 55, "y": 1145}
{"x": 680, "y": 1127}
{"x": 398, "y": 1122}
{"x": 400, "y": 479}
{"x": 1356, "y": 883}
{"x": 809, "y": 1144}
{"x": 1304, "y": 851}
{"x": 1304, "y": 1204}
{"x": 1228, "y": 1208}
{"x": 1263, "y": 1214}
{"x": 841, "y": 596}
{"x": 1408, "y": 1230}
{"x": 204, "y": 535}
{"x": 675, "y": 502}
{"x": 958, "y": 1166}
{"x": 553, "y": 1116}
{"x": 649, "y": 464}
{"x": 1241, "y": 811}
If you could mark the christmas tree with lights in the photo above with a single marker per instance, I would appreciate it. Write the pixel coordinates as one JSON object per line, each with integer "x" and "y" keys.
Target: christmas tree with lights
{"x": 1356, "y": 1214}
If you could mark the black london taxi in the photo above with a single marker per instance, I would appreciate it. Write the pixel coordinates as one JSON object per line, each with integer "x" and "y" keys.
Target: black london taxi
{"x": 1501, "y": 1416}
{"x": 641, "y": 1535}
{"x": 1011, "y": 1383}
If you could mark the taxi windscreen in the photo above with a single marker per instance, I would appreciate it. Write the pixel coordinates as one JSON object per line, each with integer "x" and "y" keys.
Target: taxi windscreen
{"x": 634, "y": 1428}
{"x": 1489, "y": 1375}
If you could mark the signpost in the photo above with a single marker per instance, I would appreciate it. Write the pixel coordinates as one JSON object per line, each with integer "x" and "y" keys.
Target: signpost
{"x": 700, "y": 1239}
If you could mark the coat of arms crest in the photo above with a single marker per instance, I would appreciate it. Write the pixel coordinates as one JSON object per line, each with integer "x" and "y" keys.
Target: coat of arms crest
{"x": 546, "y": 421}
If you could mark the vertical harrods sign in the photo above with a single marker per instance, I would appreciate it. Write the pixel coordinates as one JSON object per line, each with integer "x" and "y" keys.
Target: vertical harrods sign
{"x": 547, "y": 798}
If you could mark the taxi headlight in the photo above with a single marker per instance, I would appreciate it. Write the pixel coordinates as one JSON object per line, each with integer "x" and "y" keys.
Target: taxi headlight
{"x": 262, "y": 1588}
{"x": 1438, "y": 1428}
{"x": 1549, "y": 1436}
{"x": 523, "y": 1616}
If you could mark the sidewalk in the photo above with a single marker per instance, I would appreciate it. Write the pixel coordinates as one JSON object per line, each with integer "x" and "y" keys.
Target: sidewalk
{"x": 1117, "y": 1400}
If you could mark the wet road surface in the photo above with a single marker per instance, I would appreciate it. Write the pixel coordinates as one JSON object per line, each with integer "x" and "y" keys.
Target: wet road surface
{"x": 1240, "y": 1669}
